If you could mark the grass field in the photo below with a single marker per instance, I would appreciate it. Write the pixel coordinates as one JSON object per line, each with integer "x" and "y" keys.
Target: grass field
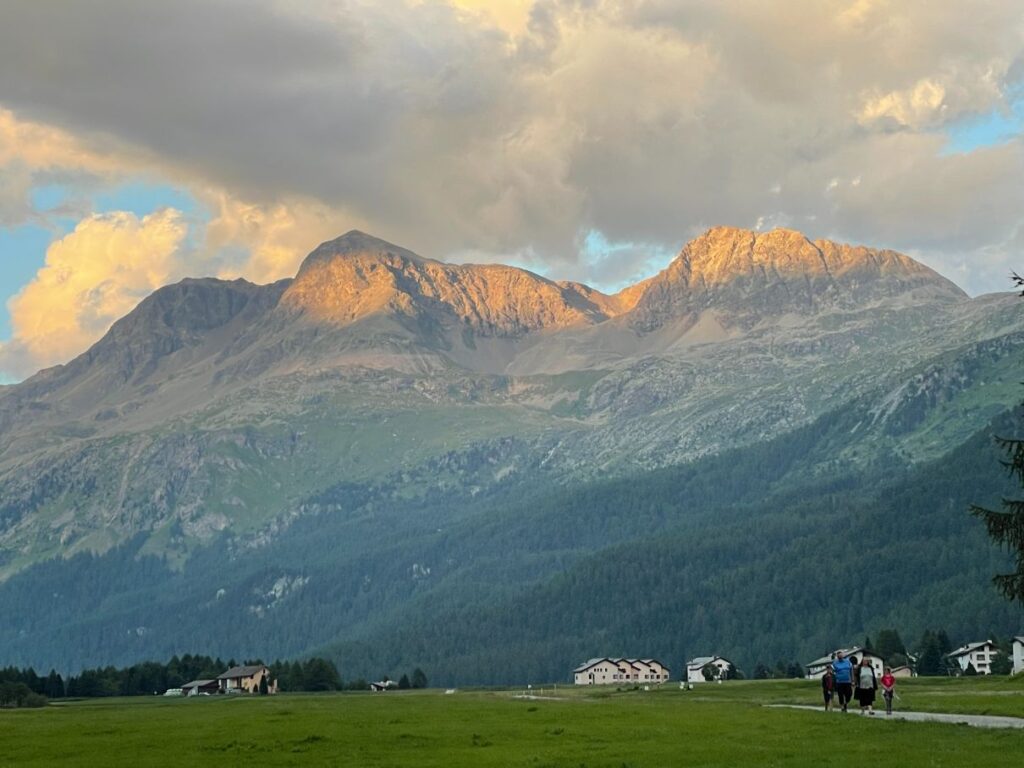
{"x": 716, "y": 725}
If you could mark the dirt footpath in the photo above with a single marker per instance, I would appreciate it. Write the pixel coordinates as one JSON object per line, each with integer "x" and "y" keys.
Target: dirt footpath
{"x": 978, "y": 721}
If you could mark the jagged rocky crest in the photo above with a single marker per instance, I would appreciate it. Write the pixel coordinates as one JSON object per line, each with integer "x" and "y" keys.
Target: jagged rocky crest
{"x": 735, "y": 271}
{"x": 411, "y": 303}
{"x": 357, "y": 275}
{"x": 752, "y": 275}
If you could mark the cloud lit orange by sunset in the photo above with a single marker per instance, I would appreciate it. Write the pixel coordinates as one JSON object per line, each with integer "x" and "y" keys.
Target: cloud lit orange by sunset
{"x": 584, "y": 140}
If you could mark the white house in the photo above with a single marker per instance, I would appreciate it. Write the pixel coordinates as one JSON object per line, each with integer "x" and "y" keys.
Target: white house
{"x": 695, "y": 668}
{"x": 903, "y": 671}
{"x": 1018, "y": 654}
{"x": 816, "y": 669}
{"x": 606, "y": 671}
{"x": 977, "y": 655}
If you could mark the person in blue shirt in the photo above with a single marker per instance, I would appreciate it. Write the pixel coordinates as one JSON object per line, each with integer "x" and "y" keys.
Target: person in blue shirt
{"x": 842, "y": 669}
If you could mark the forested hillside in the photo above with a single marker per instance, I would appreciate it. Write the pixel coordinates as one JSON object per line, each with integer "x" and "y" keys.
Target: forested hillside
{"x": 761, "y": 553}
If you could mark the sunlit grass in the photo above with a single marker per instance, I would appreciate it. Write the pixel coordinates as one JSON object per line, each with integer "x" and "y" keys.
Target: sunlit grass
{"x": 715, "y": 725}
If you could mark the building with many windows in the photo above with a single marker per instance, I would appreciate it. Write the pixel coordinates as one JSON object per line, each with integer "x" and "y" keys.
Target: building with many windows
{"x": 608, "y": 671}
{"x": 978, "y": 655}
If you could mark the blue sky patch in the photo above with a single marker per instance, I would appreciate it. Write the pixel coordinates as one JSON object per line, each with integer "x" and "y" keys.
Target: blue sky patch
{"x": 988, "y": 130}
{"x": 142, "y": 199}
{"x": 22, "y": 253}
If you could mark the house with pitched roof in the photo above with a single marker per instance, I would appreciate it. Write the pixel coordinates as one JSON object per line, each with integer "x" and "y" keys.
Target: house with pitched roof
{"x": 978, "y": 655}
{"x": 695, "y": 668}
{"x": 246, "y": 679}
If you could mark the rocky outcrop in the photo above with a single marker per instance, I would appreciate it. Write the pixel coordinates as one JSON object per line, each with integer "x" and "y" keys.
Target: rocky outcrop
{"x": 357, "y": 276}
{"x": 747, "y": 276}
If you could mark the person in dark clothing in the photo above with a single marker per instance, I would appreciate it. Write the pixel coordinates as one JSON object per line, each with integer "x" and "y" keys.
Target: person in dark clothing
{"x": 842, "y": 670}
{"x": 867, "y": 684}
{"x": 828, "y": 687}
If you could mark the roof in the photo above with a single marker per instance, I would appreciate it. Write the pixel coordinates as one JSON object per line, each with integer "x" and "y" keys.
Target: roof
{"x": 198, "y": 683}
{"x": 969, "y": 648}
{"x": 631, "y": 662}
{"x": 1019, "y": 638}
{"x": 704, "y": 660}
{"x": 246, "y": 671}
{"x": 847, "y": 652}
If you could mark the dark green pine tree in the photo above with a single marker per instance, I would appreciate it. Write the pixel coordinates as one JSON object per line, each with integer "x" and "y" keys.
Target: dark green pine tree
{"x": 403, "y": 682}
{"x": 1006, "y": 526}
{"x": 929, "y": 655}
{"x": 419, "y": 678}
{"x": 889, "y": 645}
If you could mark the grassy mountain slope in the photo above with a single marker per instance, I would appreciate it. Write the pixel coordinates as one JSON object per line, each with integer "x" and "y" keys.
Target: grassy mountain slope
{"x": 752, "y": 554}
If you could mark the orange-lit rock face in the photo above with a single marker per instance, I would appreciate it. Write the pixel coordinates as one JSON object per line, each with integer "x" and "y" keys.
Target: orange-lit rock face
{"x": 750, "y": 275}
{"x": 356, "y": 276}
{"x": 740, "y": 272}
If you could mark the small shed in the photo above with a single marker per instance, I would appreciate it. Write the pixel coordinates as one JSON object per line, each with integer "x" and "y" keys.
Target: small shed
{"x": 196, "y": 687}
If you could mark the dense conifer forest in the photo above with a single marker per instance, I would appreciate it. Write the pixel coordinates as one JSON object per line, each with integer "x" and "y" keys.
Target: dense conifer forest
{"x": 772, "y": 552}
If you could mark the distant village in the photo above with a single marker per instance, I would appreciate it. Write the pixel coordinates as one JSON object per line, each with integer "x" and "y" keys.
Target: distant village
{"x": 972, "y": 658}
{"x": 975, "y": 658}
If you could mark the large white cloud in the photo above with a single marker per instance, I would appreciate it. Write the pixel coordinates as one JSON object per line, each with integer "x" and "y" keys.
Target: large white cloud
{"x": 92, "y": 277}
{"x": 510, "y": 130}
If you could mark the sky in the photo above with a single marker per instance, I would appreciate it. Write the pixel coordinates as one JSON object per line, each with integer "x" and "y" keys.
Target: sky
{"x": 141, "y": 143}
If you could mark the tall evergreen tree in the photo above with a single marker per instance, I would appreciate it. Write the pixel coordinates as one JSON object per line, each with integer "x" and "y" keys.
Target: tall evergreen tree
{"x": 1006, "y": 526}
{"x": 419, "y": 678}
{"x": 929, "y": 655}
{"x": 888, "y": 644}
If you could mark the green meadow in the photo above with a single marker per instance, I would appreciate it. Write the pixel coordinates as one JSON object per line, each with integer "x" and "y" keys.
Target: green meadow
{"x": 715, "y": 725}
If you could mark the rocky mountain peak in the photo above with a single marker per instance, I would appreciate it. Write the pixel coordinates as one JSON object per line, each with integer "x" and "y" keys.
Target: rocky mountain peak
{"x": 357, "y": 275}
{"x": 355, "y": 244}
{"x": 750, "y": 275}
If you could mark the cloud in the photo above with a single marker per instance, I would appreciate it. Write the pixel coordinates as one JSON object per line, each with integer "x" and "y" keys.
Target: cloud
{"x": 264, "y": 243}
{"x": 918, "y": 107}
{"x": 33, "y": 154}
{"x": 92, "y": 277}
{"x": 511, "y": 130}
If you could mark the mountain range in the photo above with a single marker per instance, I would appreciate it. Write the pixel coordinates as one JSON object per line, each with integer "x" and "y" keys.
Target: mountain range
{"x": 399, "y": 444}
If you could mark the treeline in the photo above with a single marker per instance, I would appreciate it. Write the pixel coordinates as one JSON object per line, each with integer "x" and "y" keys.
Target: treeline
{"x": 150, "y": 677}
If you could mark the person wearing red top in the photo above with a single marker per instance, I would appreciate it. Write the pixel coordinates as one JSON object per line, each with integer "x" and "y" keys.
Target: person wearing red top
{"x": 888, "y": 689}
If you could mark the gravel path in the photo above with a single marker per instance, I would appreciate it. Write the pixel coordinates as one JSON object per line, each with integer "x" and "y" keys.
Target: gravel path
{"x": 978, "y": 721}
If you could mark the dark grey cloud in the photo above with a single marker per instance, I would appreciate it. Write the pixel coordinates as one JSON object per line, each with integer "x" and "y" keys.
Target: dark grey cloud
{"x": 644, "y": 119}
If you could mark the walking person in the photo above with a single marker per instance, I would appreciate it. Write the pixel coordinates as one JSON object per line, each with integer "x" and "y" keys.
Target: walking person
{"x": 866, "y": 686}
{"x": 888, "y": 689}
{"x": 842, "y": 670}
{"x": 828, "y": 687}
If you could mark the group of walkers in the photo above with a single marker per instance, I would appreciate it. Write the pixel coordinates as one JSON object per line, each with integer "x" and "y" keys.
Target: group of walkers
{"x": 846, "y": 679}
